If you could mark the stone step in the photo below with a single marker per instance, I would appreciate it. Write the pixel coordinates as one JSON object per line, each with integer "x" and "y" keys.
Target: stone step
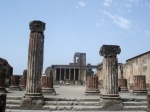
{"x": 12, "y": 110}
{"x": 72, "y": 108}
{"x": 133, "y": 103}
{"x": 78, "y": 108}
{"x": 13, "y": 98}
{"x": 134, "y": 108}
{"x": 12, "y": 101}
{"x": 72, "y": 103}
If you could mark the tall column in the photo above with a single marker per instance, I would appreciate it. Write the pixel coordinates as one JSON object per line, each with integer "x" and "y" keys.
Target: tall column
{"x": 60, "y": 74}
{"x": 34, "y": 97}
{"x": 110, "y": 96}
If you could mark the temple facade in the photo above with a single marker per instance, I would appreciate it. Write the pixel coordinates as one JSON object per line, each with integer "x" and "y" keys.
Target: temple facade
{"x": 75, "y": 71}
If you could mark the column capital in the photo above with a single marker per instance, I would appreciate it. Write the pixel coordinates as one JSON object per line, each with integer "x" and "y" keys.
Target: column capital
{"x": 109, "y": 50}
{"x": 37, "y": 26}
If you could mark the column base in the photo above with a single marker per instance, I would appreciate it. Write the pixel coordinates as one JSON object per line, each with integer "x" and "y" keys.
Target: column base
{"x": 140, "y": 92}
{"x": 124, "y": 90}
{"x": 111, "y": 102}
{"x": 92, "y": 91}
{"x": 15, "y": 88}
{"x": 32, "y": 102}
{"x": 23, "y": 87}
{"x": 48, "y": 91}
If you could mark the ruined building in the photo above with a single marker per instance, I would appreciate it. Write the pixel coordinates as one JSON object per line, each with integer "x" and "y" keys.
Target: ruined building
{"x": 75, "y": 71}
{"x": 138, "y": 65}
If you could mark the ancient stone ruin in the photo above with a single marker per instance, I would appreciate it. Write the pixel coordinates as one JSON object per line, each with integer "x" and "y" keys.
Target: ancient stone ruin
{"x": 22, "y": 83}
{"x": 34, "y": 98}
{"x": 110, "y": 99}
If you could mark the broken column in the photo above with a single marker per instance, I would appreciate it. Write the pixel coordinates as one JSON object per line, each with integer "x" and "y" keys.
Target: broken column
{"x": 47, "y": 82}
{"x": 15, "y": 82}
{"x": 34, "y": 98}
{"x": 110, "y": 99}
{"x": 92, "y": 84}
{"x": 139, "y": 85}
{"x": 123, "y": 84}
{"x": 22, "y": 83}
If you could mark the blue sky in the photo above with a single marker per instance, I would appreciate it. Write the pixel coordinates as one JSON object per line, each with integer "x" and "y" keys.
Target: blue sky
{"x": 74, "y": 26}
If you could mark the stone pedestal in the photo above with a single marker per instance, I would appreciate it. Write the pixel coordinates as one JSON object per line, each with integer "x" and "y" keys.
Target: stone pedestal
{"x": 110, "y": 99}
{"x": 92, "y": 85}
{"x": 2, "y": 102}
{"x": 139, "y": 84}
{"x": 14, "y": 82}
{"x": 34, "y": 98}
{"x": 123, "y": 84}
{"x": 47, "y": 85}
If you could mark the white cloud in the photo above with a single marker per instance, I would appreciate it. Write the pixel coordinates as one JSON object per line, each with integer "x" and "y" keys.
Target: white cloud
{"x": 128, "y": 5}
{"x": 118, "y": 20}
{"x": 107, "y": 3}
{"x": 99, "y": 24}
{"x": 81, "y": 3}
{"x": 147, "y": 33}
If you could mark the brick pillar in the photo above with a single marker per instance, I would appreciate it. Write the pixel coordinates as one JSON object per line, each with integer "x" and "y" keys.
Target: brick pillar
{"x": 110, "y": 96}
{"x": 15, "y": 82}
{"x": 92, "y": 84}
{"x": 33, "y": 98}
{"x": 22, "y": 83}
{"x": 47, "y": 81}
{"x": 139, "y": 85}
{"x": 123, "y": 84}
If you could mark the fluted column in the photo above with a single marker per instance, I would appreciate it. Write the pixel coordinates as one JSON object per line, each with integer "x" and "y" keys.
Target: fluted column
{"x": 110, "y": 69}
{"x": 74, "y": 74}
{"x": 35, "y": 64}
{"x": 60, "y": 74}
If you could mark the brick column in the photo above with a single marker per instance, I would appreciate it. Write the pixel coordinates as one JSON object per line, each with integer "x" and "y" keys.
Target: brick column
{"x": 22, "y": 83}
{"x": 15, "y": 82}
{"x": 47, "y": 81}
{"x": 123, "y": 84}
{"x": 92, "y": 84}
{"x": 33, "y": 98}
{"x": 110, "y": 96}
{"x": 139, "y": 85}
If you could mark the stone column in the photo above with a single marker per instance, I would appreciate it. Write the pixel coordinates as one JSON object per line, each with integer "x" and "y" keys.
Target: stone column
{"x": 65, "y": 74}
{"x": 92, "y": 85}
{"x": 34, "y": 98}
{"x": 139, "y": 84}
{"x": 148, "y": 102}
{"x": 123, "y": 84}
{"x": 47, "y": 81}
{"x": 69, "y": 74}
{"x": 60, "y": 74}
{"x": 15, "y": 82}
{"x": 110, "y": 96}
